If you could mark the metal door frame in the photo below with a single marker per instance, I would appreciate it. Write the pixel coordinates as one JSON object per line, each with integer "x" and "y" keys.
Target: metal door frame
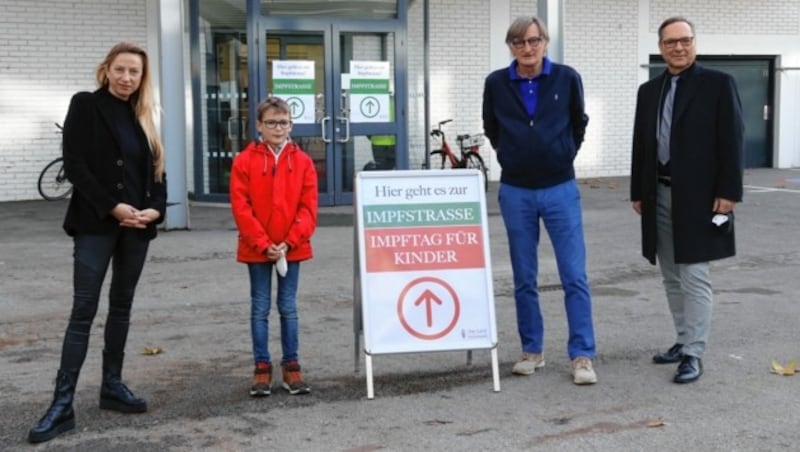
{"x": 332, "y": 30}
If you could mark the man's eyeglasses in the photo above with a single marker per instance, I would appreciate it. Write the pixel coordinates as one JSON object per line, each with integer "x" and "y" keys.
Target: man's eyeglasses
{"x": 272, "y": 124}
{"x": 684, "y": 42}
{"x": 533, "y": 42}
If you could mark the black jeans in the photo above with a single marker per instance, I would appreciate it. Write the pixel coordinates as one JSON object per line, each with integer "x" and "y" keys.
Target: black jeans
{"x": 126, "y": 249}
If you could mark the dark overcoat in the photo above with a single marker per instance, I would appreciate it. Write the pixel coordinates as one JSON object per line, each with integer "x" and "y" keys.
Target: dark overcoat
{"x": 706, "y": 154}
{"x": 93, "y": 162}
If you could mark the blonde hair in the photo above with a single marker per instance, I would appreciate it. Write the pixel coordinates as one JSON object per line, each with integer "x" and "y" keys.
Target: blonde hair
{"x": 143, "y": 100}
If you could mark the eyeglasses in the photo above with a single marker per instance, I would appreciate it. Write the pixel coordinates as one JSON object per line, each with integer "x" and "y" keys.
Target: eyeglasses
{"x": 272, "y": 124}
{"x": 684, "y": 42}
{"x": 533, "y": 42}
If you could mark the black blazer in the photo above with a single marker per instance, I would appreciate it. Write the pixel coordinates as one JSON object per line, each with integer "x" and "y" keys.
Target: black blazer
{"x": 706, "y": 154}
{"x": 94, "y": 164}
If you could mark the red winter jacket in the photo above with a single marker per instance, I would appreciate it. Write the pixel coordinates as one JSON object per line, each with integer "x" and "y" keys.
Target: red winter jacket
{"x": 273, "y": 201}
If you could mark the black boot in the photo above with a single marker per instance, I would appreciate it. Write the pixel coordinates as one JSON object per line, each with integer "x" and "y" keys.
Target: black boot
{"x": 59, "y": 417}
{"x": 114, "y": 395}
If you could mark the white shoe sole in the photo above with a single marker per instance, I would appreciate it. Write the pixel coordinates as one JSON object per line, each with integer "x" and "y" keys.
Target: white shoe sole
{"x": 585, "y": 380}
{"x": 518, "y": 370}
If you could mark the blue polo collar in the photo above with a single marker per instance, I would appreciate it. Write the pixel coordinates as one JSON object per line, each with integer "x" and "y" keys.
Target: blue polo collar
{"x": 546, "y": 67}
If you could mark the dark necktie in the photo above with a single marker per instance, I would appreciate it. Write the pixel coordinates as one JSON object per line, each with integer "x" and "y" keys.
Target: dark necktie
{"x": 665, "y": 125}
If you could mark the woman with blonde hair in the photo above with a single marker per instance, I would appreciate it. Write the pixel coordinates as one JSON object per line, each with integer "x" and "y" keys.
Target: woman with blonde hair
{"x": 114, "y": 158}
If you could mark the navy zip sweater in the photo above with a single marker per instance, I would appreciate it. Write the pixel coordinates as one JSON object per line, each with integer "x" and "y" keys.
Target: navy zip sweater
{"x": 538, "y": 151}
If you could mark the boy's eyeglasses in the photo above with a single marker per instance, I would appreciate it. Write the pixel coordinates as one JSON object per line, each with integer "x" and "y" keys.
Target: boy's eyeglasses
{"x": 273, "y": 124}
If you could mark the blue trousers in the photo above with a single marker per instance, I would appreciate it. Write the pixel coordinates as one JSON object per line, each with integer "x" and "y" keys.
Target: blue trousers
{"x": 559, "y": 209}
{"x": 260, "y": 302}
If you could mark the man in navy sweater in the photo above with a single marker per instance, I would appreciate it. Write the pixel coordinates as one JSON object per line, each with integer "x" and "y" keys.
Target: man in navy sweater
{"x": 533, "y": 114}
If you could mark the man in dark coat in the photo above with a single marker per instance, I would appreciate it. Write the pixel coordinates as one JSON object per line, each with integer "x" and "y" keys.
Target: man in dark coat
{"x": 686, "y": 178}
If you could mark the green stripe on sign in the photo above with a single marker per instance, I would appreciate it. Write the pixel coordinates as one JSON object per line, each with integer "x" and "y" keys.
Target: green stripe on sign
{"x": 367, "y": 86}
{"x": 442, "y": 214}
{"x": 289, "y": 86}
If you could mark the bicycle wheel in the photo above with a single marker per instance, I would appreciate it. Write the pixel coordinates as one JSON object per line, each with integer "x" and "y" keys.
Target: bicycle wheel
{"x": 475, "y": 161}
{"x": 439, "y": 160}
{"x": 53, "y": 183}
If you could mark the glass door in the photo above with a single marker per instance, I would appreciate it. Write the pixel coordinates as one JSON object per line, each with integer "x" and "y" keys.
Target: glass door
{"x": 365, "y": 76}
{"x": 311, "y": 65}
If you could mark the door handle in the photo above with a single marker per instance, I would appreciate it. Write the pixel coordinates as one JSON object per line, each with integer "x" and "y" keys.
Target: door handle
{"x": 322, "y": 122}
{"x": 230, "y": 133}
{"x": 346, "y": 129}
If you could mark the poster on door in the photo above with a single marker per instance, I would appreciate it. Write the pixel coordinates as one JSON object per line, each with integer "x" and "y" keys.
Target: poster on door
{"x": 425, "y": 269}
{"x": 294, "y": 82}
{"x": 369, "y": 91}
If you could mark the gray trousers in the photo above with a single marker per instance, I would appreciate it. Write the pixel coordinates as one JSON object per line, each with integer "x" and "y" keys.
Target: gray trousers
{"x": 688, "y": 286}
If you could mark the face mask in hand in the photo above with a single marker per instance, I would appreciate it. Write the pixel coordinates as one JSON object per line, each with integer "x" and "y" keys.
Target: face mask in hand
{"x": 281, "y": 265}
{"x": 723, "y": 222}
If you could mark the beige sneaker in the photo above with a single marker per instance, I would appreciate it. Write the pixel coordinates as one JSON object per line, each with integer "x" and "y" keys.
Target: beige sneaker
{"x": 582, "y": 371}
{"x": 528, "y": 363}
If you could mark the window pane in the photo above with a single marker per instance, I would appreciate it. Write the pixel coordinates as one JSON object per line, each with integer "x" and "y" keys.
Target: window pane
{"x": 356, "y": 9}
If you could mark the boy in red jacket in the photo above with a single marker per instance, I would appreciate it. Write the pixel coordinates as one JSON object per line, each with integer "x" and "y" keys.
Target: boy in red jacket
{"x": 274, "y": 201}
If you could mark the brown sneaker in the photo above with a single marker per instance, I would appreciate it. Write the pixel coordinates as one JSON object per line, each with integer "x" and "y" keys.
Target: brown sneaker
{"x": 262, "y": 380}
{"x": 293, "y": 379}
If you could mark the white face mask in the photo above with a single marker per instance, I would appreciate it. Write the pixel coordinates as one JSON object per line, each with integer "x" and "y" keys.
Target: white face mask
{"x": 281, "y": 265}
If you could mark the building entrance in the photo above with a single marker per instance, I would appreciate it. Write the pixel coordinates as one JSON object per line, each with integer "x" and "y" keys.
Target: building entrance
{"x": 341, "y": 83}
{"x": 341, "y": 66}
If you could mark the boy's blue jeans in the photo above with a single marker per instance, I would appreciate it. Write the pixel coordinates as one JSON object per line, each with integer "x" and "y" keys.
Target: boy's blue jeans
{"x": 559, "y": 208}
{"x": 260, "y": 301}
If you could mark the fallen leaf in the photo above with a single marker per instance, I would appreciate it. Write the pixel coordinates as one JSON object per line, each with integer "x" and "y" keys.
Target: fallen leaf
{"x": 152, "y": 350}
{"x": 655, "y": 423}
{"x": 789, "y": 369}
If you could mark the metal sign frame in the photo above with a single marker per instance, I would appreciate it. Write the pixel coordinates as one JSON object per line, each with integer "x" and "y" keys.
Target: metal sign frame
{"x": 422, "y": 276}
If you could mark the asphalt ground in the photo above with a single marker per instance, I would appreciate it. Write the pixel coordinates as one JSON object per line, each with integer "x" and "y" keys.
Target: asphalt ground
{"x": 192, "y": 302}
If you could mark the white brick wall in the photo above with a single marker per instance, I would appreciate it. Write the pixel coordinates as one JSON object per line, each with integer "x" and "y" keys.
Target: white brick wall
{"x": 743, "y": 17}
{"x": 49, "y": 49}
{"x": 523, "y": 8}
{"x": 600, "y": 42}
{"x": 459, "y": 54}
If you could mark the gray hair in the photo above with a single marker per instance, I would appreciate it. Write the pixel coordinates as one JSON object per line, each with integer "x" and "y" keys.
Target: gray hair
{"x": 520, "y": 26}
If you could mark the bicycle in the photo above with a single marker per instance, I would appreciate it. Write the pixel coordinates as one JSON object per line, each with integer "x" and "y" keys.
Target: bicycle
{"x": 469, "y": 145}
{"x": 53, "y": 183}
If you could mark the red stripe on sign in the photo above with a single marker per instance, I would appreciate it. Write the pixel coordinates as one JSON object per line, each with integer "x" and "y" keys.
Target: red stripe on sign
{"x": 428, "y": 248}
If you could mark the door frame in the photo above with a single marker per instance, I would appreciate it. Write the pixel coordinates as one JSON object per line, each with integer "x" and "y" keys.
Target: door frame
{"x": 332, "y": 30}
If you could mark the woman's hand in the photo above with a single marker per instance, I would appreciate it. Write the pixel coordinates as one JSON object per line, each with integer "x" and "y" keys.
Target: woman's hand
{"x": 147, "y": 216}
{"x": 131, "y": 217}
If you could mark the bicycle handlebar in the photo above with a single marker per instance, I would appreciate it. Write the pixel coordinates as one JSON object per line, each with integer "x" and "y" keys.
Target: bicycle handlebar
{"x": 437, "y": 132}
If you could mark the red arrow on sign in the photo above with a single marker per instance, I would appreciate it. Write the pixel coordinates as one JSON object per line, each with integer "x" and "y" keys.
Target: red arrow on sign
{"x": 428, "y": 298}
{"x": 448, "y": 297}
